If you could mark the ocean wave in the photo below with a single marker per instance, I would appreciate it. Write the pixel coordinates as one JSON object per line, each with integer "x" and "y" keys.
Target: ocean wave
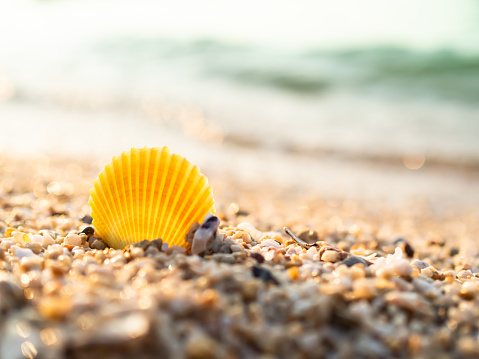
{"x": 385, "y": 71}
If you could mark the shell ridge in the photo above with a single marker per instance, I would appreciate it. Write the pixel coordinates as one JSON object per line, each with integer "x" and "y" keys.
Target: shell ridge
{"x": 135, "y": 190}
{"x": 185, "y": 198}
{"x": 152, "y": 200}
{"x": 103, "y": 217}
{"x": 126, "y": 161}
{"x": 166, "y": 200}
{"x": 120, "y": 183}
{"x": 146, "y": 186}
{"x": 156, "y": 224}
{"x": 117, "y": 200}
{"x": 103, "y": 185}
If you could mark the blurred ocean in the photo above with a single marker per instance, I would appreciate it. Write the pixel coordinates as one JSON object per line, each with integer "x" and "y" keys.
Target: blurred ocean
{"x": 369, "y": 81}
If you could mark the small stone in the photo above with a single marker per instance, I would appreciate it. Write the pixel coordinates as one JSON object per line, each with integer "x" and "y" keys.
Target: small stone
{"x": 354, "y": 260}
{"x": 331, "y": 256}
{"x": 164, "y": 247}
{"x": 72, "y": 239}
{"x": 98, "y": 244}
{"x": 250, "y": 290}
{"x": 89, "y": 230}
{"x": 23, "y": 252}
{"x": 177, "y": 249}
{"x": 405, "y": 246}
{"x": 257, "y": 256}
{"x": 204, "y": 234}
{"x": 137, "y": 252}
{"x": 157, "y": 243}
{"x": 153, "y": 251}
{"x": 419, "y": 264}
{"x": 144, "y": 244}
{"x": 236, "y": 248}
{"x": 293, "y": 273}
{"x": 47, "y": 239}
{"x": 36, "y": 247}
{"x": 453, "y": 252}
{"x": 37, "y": 238}
{"x": 201, "y": 346}
{"x": 87, "y": 219}
{"x": 264, "y": 274}
{"x": 401, "y": 268}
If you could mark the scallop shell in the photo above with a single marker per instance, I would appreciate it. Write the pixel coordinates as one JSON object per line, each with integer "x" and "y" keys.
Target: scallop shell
{"x": 149, "y": 193}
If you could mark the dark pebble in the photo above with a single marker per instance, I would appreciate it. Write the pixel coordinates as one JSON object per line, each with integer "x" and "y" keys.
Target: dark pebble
{"x": 406, "y": 247}
{"x": 157, "y": 243}
{"x": 265, "y": 275}
{"x": 211, "y": 223}
{"x": 453, "y": 252}
{"x": 143, "y": 244}
{"x": 98, "y": 244}
{"x": 242, "y": 213}
{"x": 87, "y": 219}
{"x": 354, "y": 260}
{"x": 88, "y": 231}
{"x": 258, "y": 256}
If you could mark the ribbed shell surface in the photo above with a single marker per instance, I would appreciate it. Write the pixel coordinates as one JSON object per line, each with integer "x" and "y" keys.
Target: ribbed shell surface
{"x": 149, "y": 193}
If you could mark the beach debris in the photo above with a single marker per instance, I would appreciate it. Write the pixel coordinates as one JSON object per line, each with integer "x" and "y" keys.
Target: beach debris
{"x": 297, "y": 239}
{"x": 149, "y": 193}
{"x": 264, "y": 274}
{"x": 205, "y": 233}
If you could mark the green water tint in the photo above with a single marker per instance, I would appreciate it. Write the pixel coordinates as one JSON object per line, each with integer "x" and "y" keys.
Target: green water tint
{"x": 386, "y": 71}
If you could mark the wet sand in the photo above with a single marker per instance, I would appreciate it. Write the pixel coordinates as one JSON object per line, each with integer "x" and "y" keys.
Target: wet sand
{"x": 375, "y": 278}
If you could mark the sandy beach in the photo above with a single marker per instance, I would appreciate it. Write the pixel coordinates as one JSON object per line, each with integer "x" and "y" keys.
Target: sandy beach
{"x": 365, "y": 279}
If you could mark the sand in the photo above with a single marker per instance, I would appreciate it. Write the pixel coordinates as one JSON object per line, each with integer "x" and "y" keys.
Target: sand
{"x": 365, "y": 279}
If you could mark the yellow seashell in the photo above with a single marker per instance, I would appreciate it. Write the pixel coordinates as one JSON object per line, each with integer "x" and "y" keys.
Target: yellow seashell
{"x": 149, "y": 193}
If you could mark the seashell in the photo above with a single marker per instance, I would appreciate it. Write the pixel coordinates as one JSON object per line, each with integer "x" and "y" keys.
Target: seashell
{"x": 149, "y": 193}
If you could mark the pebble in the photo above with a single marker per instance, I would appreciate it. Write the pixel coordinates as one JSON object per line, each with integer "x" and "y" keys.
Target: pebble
{"x": 37, "y": 238}
{"x": 264, "y": 274}
{"x": 353, "y": 260}
{"x": 35, "y": 247}
{"x": 269, "y": 242}
{"x": 331, "y": 256}
{"x": 236, "y": 248}
{"x": 23, "y": 252}
{"x": 201, "y": 346}
{"x": 419, "y": 264}
{"x": 98, "y": 244}
{"x": 205, "y": 233}
{"x": 73, "y": 240}
{"x": 47, "y": 239}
